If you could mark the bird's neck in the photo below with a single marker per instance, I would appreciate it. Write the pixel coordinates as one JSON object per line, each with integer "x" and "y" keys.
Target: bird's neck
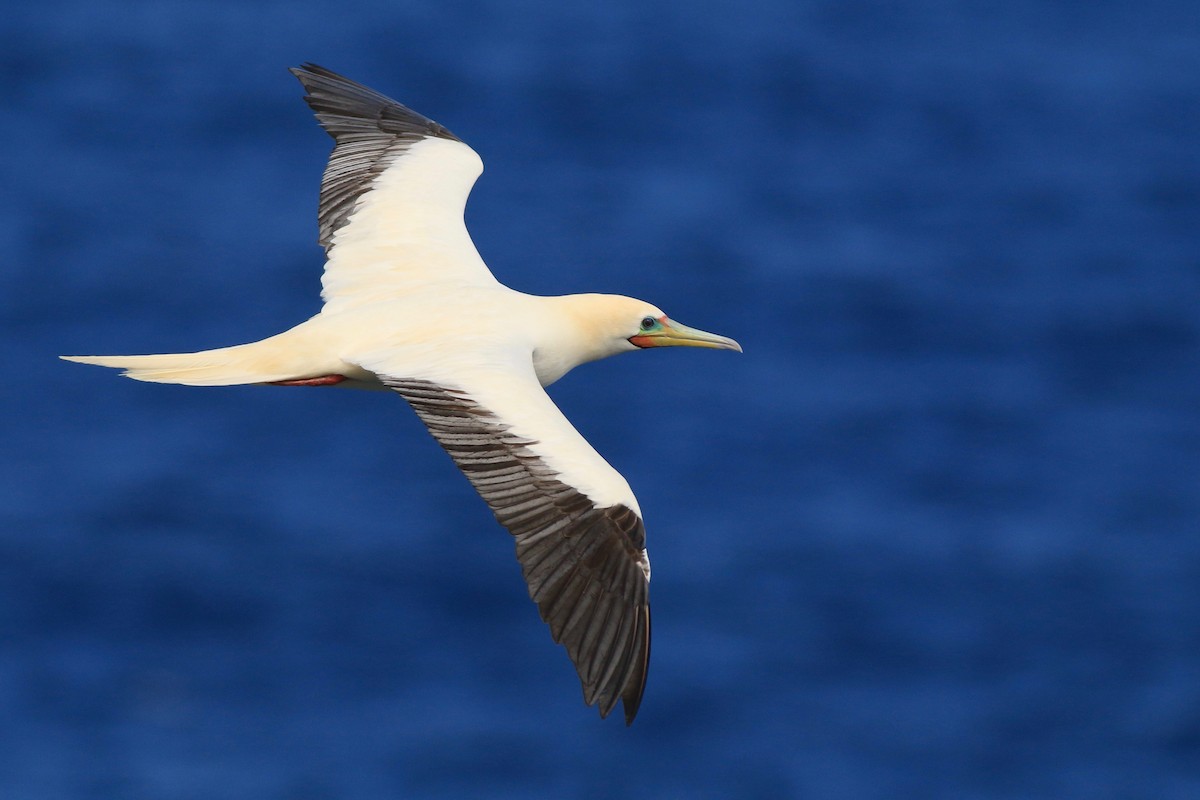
{"x": 573, "y": 329}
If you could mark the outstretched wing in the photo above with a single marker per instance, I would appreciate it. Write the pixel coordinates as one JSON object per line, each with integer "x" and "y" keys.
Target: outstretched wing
{"x": 392, "y": 197}
{"x": 579, "y": 535}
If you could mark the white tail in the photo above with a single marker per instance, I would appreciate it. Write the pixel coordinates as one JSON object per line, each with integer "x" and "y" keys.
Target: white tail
{"x": 258, "y": 362}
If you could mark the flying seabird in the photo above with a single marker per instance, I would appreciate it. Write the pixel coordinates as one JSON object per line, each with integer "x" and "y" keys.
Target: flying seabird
{"x": 410, "y": 306}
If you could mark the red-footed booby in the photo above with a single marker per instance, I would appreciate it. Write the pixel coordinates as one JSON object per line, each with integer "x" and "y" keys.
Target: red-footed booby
{"x": 400, "y": 263}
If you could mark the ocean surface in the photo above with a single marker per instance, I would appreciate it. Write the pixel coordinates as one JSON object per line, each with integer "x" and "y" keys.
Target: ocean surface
{"x": 936, "y": 534}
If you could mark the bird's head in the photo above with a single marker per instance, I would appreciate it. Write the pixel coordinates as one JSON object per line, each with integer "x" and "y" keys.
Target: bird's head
{"x": 593, "y": 326}
{"x": 616, "y": 324}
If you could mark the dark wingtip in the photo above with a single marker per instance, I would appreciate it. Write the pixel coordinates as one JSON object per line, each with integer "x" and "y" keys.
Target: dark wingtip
{"x": 338, "y": 102}
{"x": 631, "y": 701}
{"x": 306, "y": 70}
{"x": 310, "y": 70}
{"x": 631, "y": 698}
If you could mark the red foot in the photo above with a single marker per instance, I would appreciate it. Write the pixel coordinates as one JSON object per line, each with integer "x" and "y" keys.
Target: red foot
{"x": 324, "y": 380}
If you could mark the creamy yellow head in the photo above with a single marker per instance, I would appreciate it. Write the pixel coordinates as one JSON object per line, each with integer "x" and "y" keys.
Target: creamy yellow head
{"x": 593, "y": 326}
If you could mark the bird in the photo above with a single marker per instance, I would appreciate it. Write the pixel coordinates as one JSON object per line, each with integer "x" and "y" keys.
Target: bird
{"x": 409, "y": 306}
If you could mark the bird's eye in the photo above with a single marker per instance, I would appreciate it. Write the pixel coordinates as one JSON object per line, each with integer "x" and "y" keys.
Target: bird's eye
{"x": 648, "y": 323}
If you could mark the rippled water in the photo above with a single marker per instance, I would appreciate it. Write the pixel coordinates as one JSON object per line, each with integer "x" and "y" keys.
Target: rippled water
{"x": 936, "y": 534}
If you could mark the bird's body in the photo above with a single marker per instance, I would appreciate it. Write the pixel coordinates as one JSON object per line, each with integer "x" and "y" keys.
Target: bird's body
{"x": 410, "y": 306}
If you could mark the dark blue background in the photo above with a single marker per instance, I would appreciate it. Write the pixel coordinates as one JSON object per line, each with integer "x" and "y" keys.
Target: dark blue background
{"x": 935, "y": 535}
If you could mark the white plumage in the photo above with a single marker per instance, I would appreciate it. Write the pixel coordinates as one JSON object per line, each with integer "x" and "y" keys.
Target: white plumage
{"x": 411, "y": 306}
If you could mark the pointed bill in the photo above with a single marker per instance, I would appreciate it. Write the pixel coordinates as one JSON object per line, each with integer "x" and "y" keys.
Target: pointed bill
{"x": 674, "y": 334}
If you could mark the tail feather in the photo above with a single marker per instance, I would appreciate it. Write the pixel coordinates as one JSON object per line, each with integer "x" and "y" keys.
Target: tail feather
{"x": 227, "y": 366}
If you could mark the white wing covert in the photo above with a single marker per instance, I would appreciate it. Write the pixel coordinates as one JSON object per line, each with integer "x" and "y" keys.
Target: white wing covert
{"x": 390, "y": 215}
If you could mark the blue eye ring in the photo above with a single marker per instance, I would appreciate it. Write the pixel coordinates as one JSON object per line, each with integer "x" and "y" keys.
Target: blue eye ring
{"x": 649, "y": 323}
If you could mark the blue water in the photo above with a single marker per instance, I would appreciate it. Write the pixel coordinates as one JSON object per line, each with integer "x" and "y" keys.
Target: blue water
{"x": 935, "y": 535}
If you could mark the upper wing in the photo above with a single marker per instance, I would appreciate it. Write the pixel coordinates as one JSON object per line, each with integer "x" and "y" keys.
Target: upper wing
{"x": 578, "y": 531}
{"x": 392, "y": 196}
